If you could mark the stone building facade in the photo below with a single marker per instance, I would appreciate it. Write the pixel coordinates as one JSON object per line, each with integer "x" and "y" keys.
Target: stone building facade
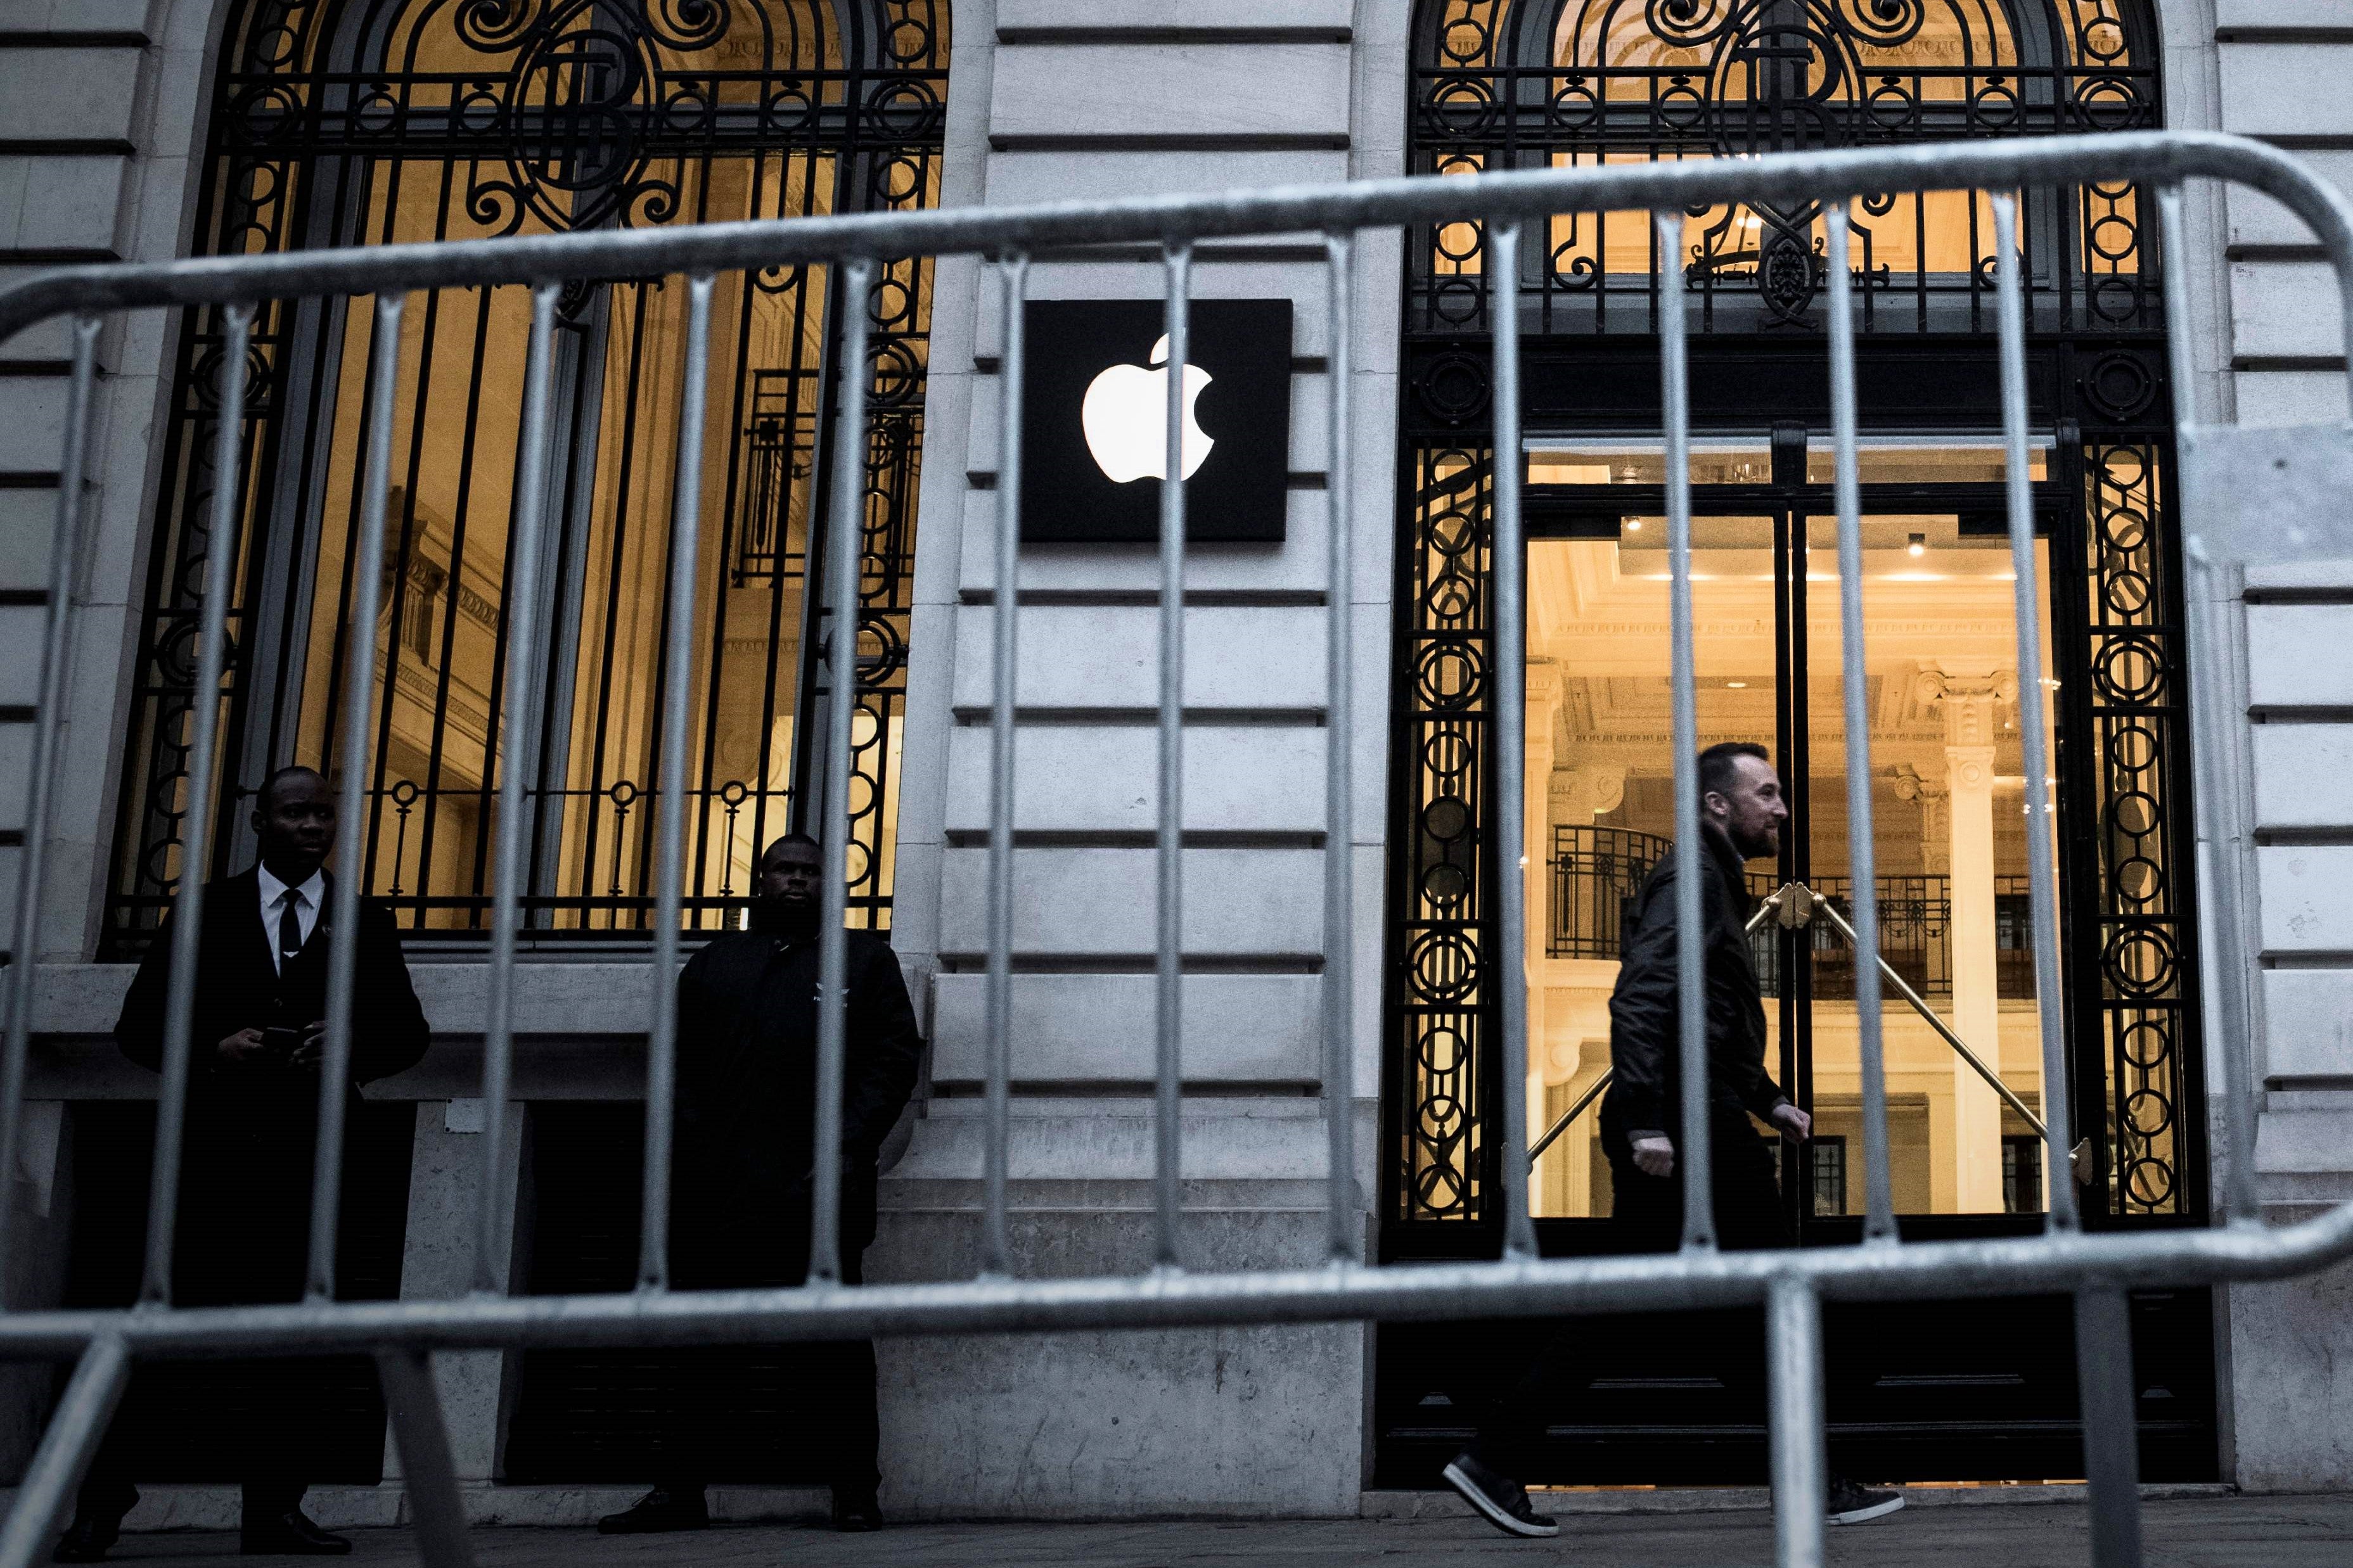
{"x": 104, "y": 109}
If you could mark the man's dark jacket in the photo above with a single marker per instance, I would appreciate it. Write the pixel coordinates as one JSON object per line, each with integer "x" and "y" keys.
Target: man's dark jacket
{"x": 245, "y": 1172}
{"x": 1645, "y": 1038}
{"x": 747, "y": 1099}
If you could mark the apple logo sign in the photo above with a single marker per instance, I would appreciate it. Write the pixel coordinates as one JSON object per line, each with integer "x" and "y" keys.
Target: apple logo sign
{"x": 1125, "y": 417}
{"x": 1094, "y": 421}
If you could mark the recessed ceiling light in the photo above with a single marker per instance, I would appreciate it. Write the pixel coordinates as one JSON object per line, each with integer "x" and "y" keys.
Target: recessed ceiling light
{"x": 1919, "y": 545}
{"x": 1738, "y": 685}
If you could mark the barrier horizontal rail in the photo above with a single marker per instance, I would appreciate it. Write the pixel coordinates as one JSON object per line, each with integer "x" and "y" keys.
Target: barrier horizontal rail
{"x": 2019, "y": 1265}
{"x": 2095, "y": 1268}
{"x": 2146, "y": 156}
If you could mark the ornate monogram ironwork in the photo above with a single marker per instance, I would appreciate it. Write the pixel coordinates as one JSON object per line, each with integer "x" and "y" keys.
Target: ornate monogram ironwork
{"x": 1502, "y": 84}
{"x": 337, "y": 122}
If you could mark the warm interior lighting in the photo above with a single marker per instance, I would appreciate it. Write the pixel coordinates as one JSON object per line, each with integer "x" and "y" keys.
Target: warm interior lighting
{"x": 1919, "y": 545}
{"x": 1738, "y": 685}
{"x": 1633, "y": 525}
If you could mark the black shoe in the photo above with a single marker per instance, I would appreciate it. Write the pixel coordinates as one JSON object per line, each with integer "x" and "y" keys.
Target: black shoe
{"x": 289, "y": 1535}
{"x": 658, "y": 1512}
{"x": 1502, "y": 1500}
{"x": 857, "y": 1513}
{"x": 1853, "y": 1503}
{"x": 86, "y": 1541}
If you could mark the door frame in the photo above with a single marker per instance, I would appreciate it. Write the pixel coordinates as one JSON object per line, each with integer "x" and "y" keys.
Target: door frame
{"x": 1745, "y": 387}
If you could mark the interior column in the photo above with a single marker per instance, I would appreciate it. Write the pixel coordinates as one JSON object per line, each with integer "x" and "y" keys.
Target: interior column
{"x": 1970, "y": 701}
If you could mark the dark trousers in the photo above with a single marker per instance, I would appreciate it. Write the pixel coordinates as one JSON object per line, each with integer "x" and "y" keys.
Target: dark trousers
{"x": 263, "y": 1409}
{"x": 1748, "y": 1218}
{"x": 706, "y": 1383}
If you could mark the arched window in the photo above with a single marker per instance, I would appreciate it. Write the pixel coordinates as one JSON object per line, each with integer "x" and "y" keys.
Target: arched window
{"x": 1577, "y": 83}
{"x": 1497, "y": 85}
{"x": 362, "y": 121}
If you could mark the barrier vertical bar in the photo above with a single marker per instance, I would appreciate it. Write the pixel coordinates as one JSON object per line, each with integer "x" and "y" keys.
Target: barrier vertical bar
{"x": 2215, "y": 590}
{"x": 521, "y": 717}
{"x": 1012, "y": 368}
{"x": 1695, "y": 1157}
{"x": 844, "y": 554}
{"x": 65, "y": 552}
{"x": 1879, "y": 1200}
{"x": 2104, "y": 1377}
{"x": 1167, "y": 1089}
{"x": 74, "y": 1432}
{"x": 1339, "y": 740}
{"x": 1793, "y": 1346}
{"x": 351, "y": 761}
{"x": 428, "y": 1473}
{"x": 2042, "y": 874}
{"x": 1509, "y": 662}
{"x": 203, "y": 788}
{"x": 670, "y": 829}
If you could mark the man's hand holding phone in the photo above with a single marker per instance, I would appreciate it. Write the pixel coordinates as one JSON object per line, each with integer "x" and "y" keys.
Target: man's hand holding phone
{"x": 305, "y": 1045}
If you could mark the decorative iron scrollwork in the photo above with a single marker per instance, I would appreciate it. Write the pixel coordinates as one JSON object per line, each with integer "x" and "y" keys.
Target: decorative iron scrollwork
{"x": 1505, "y": 84}
{"x": 327, "y": 117}
{"x": 2138, "y": 750}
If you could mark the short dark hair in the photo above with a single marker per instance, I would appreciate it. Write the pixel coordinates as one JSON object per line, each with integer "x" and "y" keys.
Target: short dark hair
{"x": 269, "y": 785}
{"x": 1718, "y": 764}
{"x": 783, "y": 839}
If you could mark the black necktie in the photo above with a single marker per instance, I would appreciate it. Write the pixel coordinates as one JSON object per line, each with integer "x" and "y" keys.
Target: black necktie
{"x": 289, "y": 927}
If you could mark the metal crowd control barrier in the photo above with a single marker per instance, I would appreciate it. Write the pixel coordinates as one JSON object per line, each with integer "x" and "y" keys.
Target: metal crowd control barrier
{"x": 2250, "y": 495}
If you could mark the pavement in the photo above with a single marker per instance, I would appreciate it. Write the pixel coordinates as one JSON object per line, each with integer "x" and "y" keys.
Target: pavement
{"x": 2200, "y": 1532}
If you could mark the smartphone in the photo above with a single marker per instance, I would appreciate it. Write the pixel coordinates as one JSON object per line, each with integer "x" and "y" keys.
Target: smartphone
{"x": 281, "y": 1043}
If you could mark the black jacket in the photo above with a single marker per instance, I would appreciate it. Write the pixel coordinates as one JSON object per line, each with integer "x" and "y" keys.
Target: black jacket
{"x": 245, "y": 1169}
{"x": 747, "y": 1084}
{"x": 1645, "y": 1038}
{"x": 238, "y": 987}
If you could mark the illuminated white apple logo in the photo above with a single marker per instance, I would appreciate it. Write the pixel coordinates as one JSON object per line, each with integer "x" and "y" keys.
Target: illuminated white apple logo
{"x": 1125, "y": 417}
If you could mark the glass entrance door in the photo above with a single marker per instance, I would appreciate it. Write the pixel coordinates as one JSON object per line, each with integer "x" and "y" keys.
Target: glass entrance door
{"x": 1947, "y": 797}
{"x": 1949, "y": 845}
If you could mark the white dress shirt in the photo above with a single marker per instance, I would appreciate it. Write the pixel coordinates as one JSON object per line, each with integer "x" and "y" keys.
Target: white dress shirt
{"x": 274, "y": 894}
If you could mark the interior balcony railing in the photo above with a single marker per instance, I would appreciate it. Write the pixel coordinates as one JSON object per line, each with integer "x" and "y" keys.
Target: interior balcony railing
{"x": 1597, "y": 871}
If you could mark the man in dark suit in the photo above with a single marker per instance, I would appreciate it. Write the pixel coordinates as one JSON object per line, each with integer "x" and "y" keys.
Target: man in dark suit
{"x": 252, "y": 1122}
{"x": 746, "y": 1152}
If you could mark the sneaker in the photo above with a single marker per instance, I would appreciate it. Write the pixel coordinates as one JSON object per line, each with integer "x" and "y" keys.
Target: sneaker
{"x": 658, "y": 1512}
{"x": 1502, "y": 1500}
{"x": 1852, "y": 1503}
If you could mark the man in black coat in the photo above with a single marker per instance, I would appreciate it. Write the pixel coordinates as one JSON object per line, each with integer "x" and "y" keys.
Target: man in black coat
{"x": 243, "y": 1236}
{"x": 746, "y": 1152}
{"x": 1741, "y": 815}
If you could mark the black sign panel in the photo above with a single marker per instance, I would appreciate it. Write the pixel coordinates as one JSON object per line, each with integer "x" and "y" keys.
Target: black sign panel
{"x": 1094, "y": 421}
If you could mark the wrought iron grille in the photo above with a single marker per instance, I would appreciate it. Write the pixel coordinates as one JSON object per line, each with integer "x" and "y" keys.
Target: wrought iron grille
{"x": 337, "y": 122}
{"x": 1594, "y": 871}
{"x": 1517, "y": 84}
{"x": 1442, "y": 917}
{"x": 2138, "y": 971}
